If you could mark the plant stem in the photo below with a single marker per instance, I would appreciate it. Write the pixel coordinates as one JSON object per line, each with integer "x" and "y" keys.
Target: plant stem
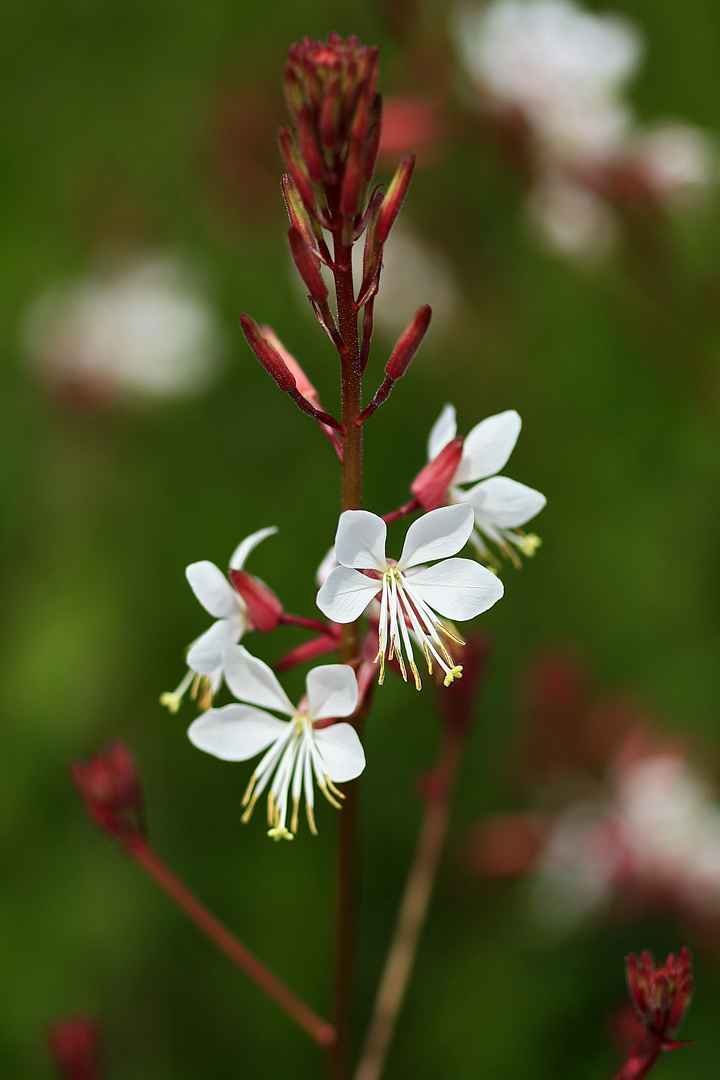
{"x": 413, "y": 909}
{"x": 351, "y": 500}
{"x": 322, "y": 1032}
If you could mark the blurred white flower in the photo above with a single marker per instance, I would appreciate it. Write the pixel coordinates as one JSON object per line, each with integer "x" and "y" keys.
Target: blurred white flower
{"x": 658, "y": 834}
{"x": 564, "y": 68}
{"x": 571, "y": 219}
{"x": 141, "y": 330}
{"x": 677, "y": 161}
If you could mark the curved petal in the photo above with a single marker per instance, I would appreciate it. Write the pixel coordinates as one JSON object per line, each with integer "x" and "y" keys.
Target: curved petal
{"x": 346, "y": 594}
{"x": 457, "y": 588}
{"x": 212, "y": 589}
{"x": 505, "y": 502}
{"x": 243, "y": 549}
{"x": 360, "y": 540}
{"x": 332, "y": 691}
{"x": 436, "y": 535}
{"x": 341, "y": 751}
{"x": 252, "y": 680}
{"x": 235, "y": 732}
{"x": 442, "y": 432}
{"x": 206, "y": 652}
{"x": 488, "y": 446}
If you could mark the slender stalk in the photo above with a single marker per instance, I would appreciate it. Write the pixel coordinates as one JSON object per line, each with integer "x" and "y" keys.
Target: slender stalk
{"x": 413, "y": 909}
{"x": 351, "y": 373}
{"x": 322, "y": 1032}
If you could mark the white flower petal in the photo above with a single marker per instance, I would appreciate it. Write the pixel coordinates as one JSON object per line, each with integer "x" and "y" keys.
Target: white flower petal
{"x": 332, "y": 691}
{"x": 360, "y": 540}
{"x": 206, "y": 653}
{"x": 505, "y": 502}
{"x": 457, "y": 588}
{"x": 341, "y": 751}
{"x": 442, "y": 432}
{"x": 346, "y": 594}
{"x": 436, "y": 535}
{"x": 252, "y": 680}
{"x": 212, "y": 589}
{"x": 488, "y": 446}
{"x": 249, "y": 544}
{"x": 235, "y": 732}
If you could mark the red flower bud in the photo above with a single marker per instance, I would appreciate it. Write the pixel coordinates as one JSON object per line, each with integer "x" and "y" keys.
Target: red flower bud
{"x": 264, "y": 608}
{"x": 431, "y": 484}
{"x": 408, "y": 344}
{"x": 394, "y": 198}
{"x": 74, "y": 1047}
{"x": 308, "y": 266}
{"x": 268, "y": 356}
{"x": 110, "y": 788}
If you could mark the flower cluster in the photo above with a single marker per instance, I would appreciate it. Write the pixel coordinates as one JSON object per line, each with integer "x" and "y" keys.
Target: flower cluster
{"x": 557, "y": 75}
{"x": 661, "y": 997}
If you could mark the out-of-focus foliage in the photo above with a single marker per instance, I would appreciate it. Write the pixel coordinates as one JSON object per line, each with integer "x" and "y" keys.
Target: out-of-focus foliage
{"x": 131, "y": 128}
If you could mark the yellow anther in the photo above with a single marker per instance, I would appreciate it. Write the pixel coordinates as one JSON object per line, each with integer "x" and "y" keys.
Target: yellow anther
{"x": 454, "y": 673}
{"x": 428, "y": 661}
{"x": 332, "y": 787}
{"x": 311, "y": 819}
{"x": 294, "y": 818}
{"x": 452, "y": 634}
{"x": 401, "y": 662}
{"x": 171, "y": 701}
{"x": 328, "y": 796}
{"x": 248, "y": 790}
{"x": 271, "y": 813}
{"x": 248, "y": 813}
{"x": 413, "y": 668}
{"x": 381, "y": 676}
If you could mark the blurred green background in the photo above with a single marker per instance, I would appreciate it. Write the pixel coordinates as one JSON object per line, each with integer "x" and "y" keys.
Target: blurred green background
{"x": 153, "y": 126}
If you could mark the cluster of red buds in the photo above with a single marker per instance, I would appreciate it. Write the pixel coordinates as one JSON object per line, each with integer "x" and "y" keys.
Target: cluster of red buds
{"x": 74, "y": 1047}
{"x": 110, "y": 787}
{"x": 660, "y": 996}
{"x": 330, "y": 153}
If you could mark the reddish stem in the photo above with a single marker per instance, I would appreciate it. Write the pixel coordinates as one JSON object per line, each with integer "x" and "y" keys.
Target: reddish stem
{"x": 322, "y": 1032}
{"x": 402, "y": 511}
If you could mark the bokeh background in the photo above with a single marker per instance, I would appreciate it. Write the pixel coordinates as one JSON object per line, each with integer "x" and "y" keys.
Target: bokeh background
{"x": 131, "y": 129}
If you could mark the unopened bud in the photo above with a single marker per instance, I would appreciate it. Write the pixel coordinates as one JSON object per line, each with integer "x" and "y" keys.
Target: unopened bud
{"x": 74, "y": 1047}
{"x": 110, "y": 787}
{"x": 394, "y": 198}
{"x": 296, "y": 209}
{"x": 269, "y": 357}
{"x": 308, "y": 146}
{"x": 408, "y": 344}
{"x": 308, "y": 266}
{"x": 302, "y": 382}
{"x": 263, "y": 607}
{"x": 295, "y": 166}
{"x": 430, "y": 486}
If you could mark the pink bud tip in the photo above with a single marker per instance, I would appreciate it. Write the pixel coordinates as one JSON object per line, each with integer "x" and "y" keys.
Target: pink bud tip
{"x": 110, "y": 787}
{"x": 408, "y": 344}
{"x": 263, "y": 606}
{"x": 394, "y": 199}
{"x": 431, "y": 484}
{"x": 74, "y": 1046}
{"x": 268, "y": 356}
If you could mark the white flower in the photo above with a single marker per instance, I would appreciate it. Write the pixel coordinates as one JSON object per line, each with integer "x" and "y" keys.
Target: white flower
{"x": 296, "y": 750}
{"x": 220, "y": 599}
{"x": 571, "y": 219}
{"x": 455, "y": 588}
{"x": 500, "y": 505}
{"x": 563, "y": 67}
{"x": 141, "y": 329}
{"x": 678, "y": 161}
